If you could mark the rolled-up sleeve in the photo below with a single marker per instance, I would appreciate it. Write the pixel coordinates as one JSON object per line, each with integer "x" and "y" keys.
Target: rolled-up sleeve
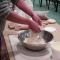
{"x": 14, "y": 1}
{"x": 4, "y": 9}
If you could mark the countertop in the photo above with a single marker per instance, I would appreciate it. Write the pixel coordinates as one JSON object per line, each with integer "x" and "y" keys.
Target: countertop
{"x": 7, "y": 31}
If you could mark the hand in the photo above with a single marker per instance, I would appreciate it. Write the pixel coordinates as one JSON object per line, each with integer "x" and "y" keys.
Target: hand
{"x": 37, "y": 19}
{"x": 34, "y": 26}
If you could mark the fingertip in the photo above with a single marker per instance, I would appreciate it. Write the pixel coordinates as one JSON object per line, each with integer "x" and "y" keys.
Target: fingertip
{"x": 35, "y": 31}
{"x": 39, "y": 30}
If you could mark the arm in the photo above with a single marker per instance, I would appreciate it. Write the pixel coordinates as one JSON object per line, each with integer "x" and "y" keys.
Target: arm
{"x": 18, "y": 19}
{"x": 6, "y": 13}
{"x": 21, "y": 4}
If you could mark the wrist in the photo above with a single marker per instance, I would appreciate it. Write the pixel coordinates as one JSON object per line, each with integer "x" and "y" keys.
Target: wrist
{"x": 28, "y": 21}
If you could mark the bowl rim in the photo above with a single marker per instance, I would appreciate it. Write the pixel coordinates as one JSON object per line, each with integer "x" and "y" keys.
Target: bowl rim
{"x": 42, "y": 30}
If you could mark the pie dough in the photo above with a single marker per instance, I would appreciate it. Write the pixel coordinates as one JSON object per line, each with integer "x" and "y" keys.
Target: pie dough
{"x": 51, "y": 21}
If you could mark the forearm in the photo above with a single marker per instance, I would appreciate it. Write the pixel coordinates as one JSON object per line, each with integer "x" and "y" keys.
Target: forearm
{"x": 21, "y": 4}
{"x": 17, "y": 19}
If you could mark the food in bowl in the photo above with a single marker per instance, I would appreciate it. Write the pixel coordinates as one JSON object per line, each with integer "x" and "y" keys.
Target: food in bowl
{"x": 35, "y": 38}
{"x": 31, "y": 41}
{"x": 25, "y": 35}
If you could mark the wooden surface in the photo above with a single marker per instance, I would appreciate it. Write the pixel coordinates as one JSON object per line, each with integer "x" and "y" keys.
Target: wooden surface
{"x": 8, "y": 31}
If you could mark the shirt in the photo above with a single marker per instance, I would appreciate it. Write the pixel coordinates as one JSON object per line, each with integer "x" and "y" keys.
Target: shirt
{"x": 4, "y": 12}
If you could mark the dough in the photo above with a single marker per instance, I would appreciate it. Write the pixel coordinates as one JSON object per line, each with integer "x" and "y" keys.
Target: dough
{"x": 17, "y": 28}
{"x": 34, "y": 38}
{"x": 13, "y": 25}
{"x": 51, "y": 21}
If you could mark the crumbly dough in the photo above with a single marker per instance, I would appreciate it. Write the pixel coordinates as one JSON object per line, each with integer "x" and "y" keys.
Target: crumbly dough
{"x": 34, "y": 38}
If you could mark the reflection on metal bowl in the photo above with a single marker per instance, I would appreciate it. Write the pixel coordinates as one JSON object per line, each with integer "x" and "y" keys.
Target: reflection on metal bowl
{"x": 47, "y": 36}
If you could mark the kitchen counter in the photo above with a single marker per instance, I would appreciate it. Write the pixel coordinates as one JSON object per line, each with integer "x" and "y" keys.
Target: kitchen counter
{"x": 8, "y": 31}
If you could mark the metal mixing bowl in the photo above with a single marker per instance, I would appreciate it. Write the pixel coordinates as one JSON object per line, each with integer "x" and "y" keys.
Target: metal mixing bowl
{"x": 47, "y": 36}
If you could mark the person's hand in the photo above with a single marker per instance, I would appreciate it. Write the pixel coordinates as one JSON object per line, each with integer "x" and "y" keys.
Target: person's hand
{"x": 37, "y": 19}
{"x": 34, "y": 26}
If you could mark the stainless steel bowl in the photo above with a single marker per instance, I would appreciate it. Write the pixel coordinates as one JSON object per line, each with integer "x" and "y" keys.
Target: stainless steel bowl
{"x": 47, "y": 36}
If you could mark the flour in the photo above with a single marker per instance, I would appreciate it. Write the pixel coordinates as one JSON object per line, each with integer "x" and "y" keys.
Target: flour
{"x": 35, "y": 38}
